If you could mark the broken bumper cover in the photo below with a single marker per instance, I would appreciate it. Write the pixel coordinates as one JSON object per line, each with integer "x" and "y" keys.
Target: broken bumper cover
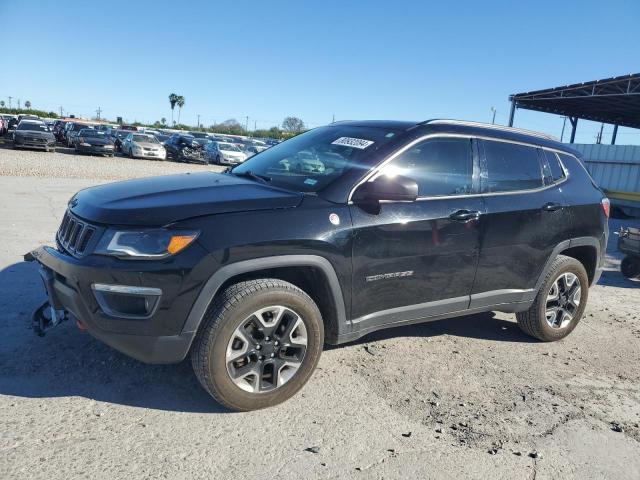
{"x": 66, "y": 282}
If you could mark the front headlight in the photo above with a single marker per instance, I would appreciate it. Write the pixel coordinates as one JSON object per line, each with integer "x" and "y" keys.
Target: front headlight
{"x": 144, "y": 244}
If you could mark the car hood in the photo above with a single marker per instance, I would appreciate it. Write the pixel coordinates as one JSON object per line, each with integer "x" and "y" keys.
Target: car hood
{"x": 147, "y": 145}
{"x": 34, "y": 133}
{"x": 230, "y": 153}
{"x": 98, "y": 141}
{"x": 159, "y": 201}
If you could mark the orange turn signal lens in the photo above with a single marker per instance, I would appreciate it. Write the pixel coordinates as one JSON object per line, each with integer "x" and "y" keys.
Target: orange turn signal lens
{"x": 179, "y": 243}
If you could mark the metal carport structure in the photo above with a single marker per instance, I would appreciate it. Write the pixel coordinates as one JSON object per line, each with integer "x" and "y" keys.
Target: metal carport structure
{"x": 613, "y": 100}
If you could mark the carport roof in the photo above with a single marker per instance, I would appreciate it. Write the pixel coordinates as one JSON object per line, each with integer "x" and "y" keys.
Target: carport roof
{"x": 613, "y": 100}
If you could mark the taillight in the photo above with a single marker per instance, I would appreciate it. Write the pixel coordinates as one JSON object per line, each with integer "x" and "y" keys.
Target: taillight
{"x": 606, "y": 206}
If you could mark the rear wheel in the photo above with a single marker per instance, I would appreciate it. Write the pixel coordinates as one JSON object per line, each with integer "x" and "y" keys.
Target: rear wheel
{"x": 560, "y": 302}
{"x": 259, "y": 343}
{"x": 630, "y": 266}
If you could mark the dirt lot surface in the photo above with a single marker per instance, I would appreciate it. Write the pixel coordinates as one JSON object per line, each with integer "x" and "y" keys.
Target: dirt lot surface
{"x": 463, "y": 398}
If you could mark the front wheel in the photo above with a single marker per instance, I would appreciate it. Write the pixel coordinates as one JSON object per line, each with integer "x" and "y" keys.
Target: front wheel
{"x": 560, "y": 302}
{"x": 259, "y": 343}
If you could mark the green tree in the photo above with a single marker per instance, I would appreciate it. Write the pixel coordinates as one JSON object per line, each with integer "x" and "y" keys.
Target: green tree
{"x": 27, "y": 104}
{"x": 180, "y": 103}
{"x": 163, "y": 121}
{"x": 2, "y": 103}
{"x": 173, "y": 99}
{"x": 292, "y": 125}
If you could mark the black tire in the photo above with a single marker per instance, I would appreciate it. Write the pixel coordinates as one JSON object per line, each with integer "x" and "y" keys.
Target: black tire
{"x": 228, "y": 310}
{"x": 218, "y": 161}
{"x": 130, "y": 152}
{"x": 630, "y": 266}
{"x": 533, "y": 322}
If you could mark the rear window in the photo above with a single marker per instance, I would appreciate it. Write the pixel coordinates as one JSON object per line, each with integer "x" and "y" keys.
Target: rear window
{"x": 510, "y": 167}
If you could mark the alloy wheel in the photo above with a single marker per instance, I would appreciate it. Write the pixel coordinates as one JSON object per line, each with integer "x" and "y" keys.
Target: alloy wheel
{"x": 267, "y": 349}
{"x": 563, "y": 300}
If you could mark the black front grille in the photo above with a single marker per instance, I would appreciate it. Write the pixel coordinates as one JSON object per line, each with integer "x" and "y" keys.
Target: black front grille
{"x": 74, "y": 235}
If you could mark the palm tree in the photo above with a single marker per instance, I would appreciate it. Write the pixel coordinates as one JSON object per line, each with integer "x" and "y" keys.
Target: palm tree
{"x": 173, "y": 99}
{"x": 180, "y": 103}
{"x": 163, "y": 121}
{"x": 27, "y": 104}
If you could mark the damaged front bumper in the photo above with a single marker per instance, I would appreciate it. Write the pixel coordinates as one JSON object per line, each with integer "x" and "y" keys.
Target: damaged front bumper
{"x": 68, "y": 283}
{"x": 51, "y": 313}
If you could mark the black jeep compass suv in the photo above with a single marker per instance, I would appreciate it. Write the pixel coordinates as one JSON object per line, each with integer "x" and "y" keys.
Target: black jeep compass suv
{"x": 335, "y": 233}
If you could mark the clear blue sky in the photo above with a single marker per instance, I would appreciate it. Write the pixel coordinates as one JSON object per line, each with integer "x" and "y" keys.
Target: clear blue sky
{"x": 357, "y": 60}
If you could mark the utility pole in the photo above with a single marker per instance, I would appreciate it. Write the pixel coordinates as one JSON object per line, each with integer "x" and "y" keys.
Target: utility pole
{"x": 600, "y": 134}
{"x": 493, "y": 120}
{"x": 246, "y": 125}
{"x": 198, "y": 120}
{"x": 10, "y": 101}
{"x": 98, "y": 112}
{"x": 255, "y": 125}
{"x": 61, "y": 112}
{"x": 333, "y": 120}
{"x": 18, "y": 104}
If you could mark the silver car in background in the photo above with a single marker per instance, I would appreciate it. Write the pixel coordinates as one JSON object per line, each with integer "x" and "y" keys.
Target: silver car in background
{"x": 224, "y": 153}
{"x": 141, "y": 145}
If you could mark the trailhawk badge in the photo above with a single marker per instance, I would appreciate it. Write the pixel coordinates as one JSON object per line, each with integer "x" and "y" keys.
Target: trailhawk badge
{"x": 334, "y": 218}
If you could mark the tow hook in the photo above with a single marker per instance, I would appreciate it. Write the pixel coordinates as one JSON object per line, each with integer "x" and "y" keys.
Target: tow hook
{"x": 46, "y": 317}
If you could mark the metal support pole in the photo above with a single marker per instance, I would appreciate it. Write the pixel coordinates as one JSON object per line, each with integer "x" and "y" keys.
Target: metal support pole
{"x": 564, "y": 124}
{"x": 512, "y": 112}
{"x": 615, "y": 134}
{"x": 574, "y": 124}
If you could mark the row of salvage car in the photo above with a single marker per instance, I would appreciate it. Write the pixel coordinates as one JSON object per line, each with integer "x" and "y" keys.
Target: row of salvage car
{"x": 104, "y": 139}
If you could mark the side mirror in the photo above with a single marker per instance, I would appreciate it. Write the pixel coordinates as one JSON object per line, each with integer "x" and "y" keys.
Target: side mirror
{"x": 392, "y": 188}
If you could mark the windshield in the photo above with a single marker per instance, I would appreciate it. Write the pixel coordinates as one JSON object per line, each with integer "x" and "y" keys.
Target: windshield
{"x": 144, "y": 139}
{"x": 227, "y": 147}
{"x": 90, "y": 132}
{"x": 38, "y": 127}
{"x": 78, "y": 126}
{"x": 312, "y": 160}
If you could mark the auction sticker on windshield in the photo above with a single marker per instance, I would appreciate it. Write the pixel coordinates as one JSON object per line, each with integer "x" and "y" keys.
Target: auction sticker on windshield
{"x": 352, "y": 142}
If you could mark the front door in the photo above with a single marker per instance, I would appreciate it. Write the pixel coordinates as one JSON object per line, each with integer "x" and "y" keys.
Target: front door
{"x": 412, "y": 260}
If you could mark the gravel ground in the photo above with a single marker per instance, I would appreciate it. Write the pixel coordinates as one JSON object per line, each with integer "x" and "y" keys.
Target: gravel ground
{"x": 65, "y": 163}
{"x": 463, "y": 398}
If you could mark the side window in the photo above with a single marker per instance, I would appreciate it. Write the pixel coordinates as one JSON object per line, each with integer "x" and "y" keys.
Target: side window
{"x": 553, "y": 171}
{"x": 511, "y": 167}
{"x": 442, "y": 166}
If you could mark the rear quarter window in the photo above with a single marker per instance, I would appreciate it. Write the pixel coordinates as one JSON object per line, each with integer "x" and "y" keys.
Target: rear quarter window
{"x": 552, "y": 168}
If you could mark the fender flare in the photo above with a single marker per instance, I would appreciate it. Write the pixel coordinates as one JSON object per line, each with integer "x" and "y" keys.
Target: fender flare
{"x": 562, "y": 246}
{"x": 212, "y": 286}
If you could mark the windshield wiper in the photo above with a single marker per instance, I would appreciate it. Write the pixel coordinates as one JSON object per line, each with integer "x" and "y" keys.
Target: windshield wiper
{"x": 252, "y": 176}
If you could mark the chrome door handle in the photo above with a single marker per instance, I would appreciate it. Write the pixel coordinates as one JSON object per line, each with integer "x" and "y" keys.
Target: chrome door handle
{"x": 465, "y": 215}
{"x": 551, "y": 207}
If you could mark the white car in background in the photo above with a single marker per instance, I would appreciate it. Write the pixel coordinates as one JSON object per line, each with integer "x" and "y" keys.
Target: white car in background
{"x": 141, "y": 145}
{"x": 224, "y": 153}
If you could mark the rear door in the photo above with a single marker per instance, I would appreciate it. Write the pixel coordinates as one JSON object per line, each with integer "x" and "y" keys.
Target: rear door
{"x": 416, "y": 259}
{"x": 525, "y": 219}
